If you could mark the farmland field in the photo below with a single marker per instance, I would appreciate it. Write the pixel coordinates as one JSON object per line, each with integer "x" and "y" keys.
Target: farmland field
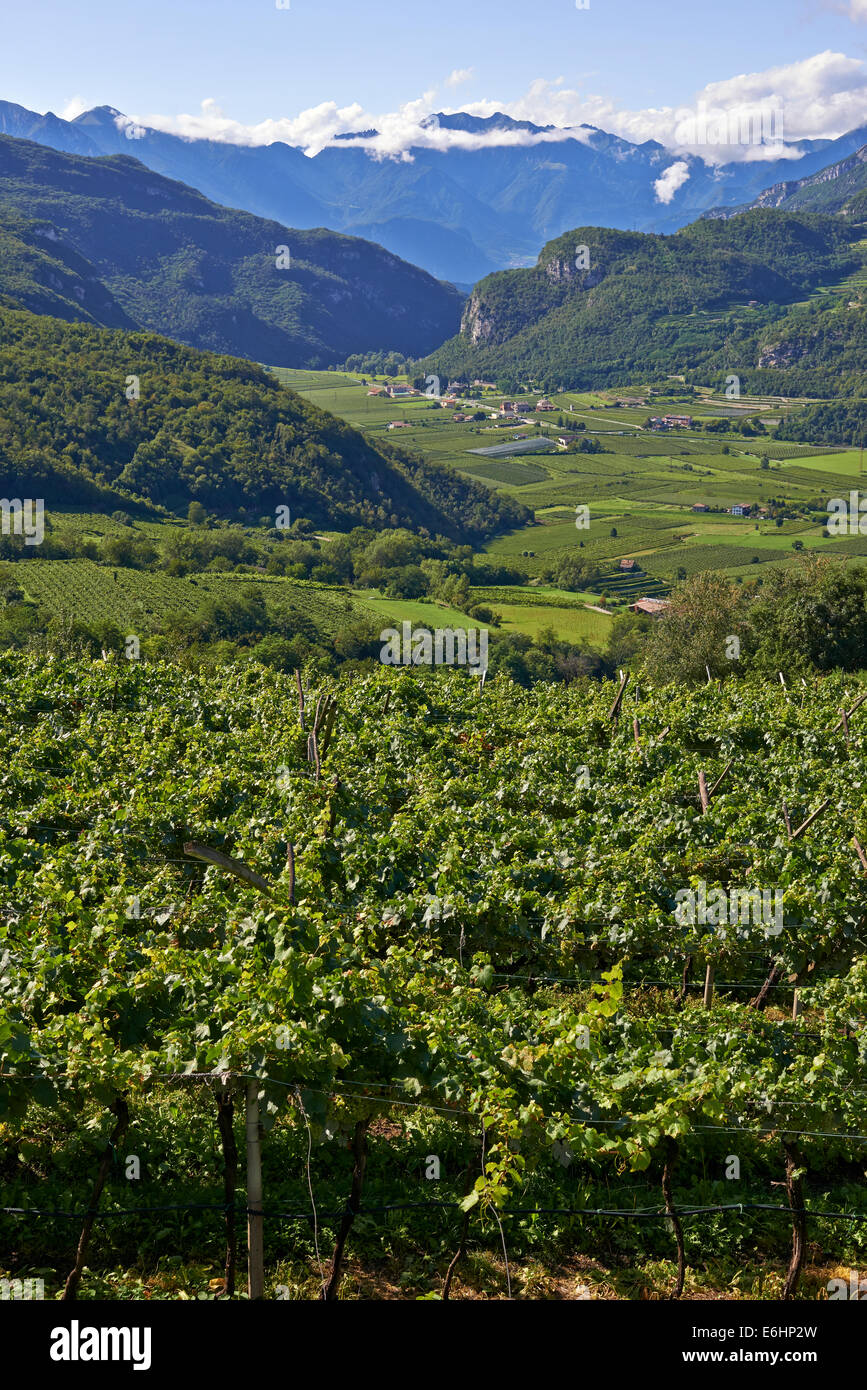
{"x": 639, "y": 470}
{"x": 139, "y": 601}
{"x": 571, "y": 624}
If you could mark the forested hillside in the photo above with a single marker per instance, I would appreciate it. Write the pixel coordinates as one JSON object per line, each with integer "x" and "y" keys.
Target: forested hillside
{"x": 837, "y": 422}
{"x": 107, "y": 240}
{"x": 603, "y": 307}
{"x": 204, "y": 428}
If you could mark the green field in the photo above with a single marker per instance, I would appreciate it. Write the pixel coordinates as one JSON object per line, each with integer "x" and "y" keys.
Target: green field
{"x": 569, "y": 624}
{"x": 640, "y": 491}
{"x": 421, "y": 614}
{"x": 644, "y": 484}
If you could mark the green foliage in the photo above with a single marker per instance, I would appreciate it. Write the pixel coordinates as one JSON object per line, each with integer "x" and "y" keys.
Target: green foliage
{"x": 836, "y": 422}
{"x": 805, "y": 619}
{"x": 473, "y": 925}
{"x": 205, "y": 430}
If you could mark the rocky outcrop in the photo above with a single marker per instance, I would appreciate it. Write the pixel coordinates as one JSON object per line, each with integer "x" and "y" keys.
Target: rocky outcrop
{"x": 479, "y": 323}
{"x": 784, "y": 354}
{"x": 563, "y": 271}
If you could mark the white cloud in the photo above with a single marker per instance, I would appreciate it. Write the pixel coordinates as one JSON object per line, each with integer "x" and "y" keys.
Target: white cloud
{"x": 398, "y": 132}
{"x": 312, "y": 129}
{"x": 675, "y": 176}
{"x": 823, "y": 96}
{"x": 740, "y": 118}
{"x": 852, "y": 9}
{"x": 73, "y": 108}
{"x": 458, "y": 76}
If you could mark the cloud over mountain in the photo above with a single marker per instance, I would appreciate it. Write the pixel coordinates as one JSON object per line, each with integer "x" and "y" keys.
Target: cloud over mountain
{"x": 821, "y": 96}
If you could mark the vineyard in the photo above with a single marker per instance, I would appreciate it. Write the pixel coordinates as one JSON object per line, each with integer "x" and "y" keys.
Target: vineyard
{"x": 139, "y": 601}
{"x": 547, "y": 993}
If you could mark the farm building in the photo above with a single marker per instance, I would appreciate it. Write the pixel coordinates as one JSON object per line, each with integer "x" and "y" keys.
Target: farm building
{"x": 700, "y": 507}
{"x": 670, "y": 422}
{"x": 741, "y": 508}
{"x": 653, "y": 607}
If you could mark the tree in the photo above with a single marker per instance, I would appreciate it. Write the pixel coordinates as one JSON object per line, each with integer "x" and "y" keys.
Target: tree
{"x": 196, "y": 514}
{"x": 812, "y": 615}
{"x": 693, "y": 633}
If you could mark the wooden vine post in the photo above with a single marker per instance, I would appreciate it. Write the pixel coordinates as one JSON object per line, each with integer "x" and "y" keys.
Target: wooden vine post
{"x": 795, "y": 1194}
{"x": 671, "y": 1149}
{"x": 300, "y": 698}
{"x": 120, "y": 1110}
{"x": 225, "y": 1109}
{"x": 255, "y": 1234}
{"x": 709, "y": 968}
{"x": 614, "y": 712}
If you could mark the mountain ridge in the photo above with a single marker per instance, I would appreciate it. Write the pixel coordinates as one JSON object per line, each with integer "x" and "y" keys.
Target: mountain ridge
{"x": 460, "y": 214}
{"x": 839, "y": 187}
{"x": 173, "y": 262}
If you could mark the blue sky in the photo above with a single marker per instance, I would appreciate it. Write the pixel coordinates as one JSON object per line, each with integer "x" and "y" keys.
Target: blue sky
{"x": 258, "y": 63}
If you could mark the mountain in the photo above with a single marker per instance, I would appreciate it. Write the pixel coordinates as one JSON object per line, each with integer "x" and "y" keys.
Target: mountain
{"x": 40, "y": 273}
{"x": 203, "y": 428}
{"x": 459, "y": 212}
{"x": 48, "y": 130}
{"x": 150, "y": 252}
{"x": 840, "y": 188}
{"x": 716, "y": 298}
